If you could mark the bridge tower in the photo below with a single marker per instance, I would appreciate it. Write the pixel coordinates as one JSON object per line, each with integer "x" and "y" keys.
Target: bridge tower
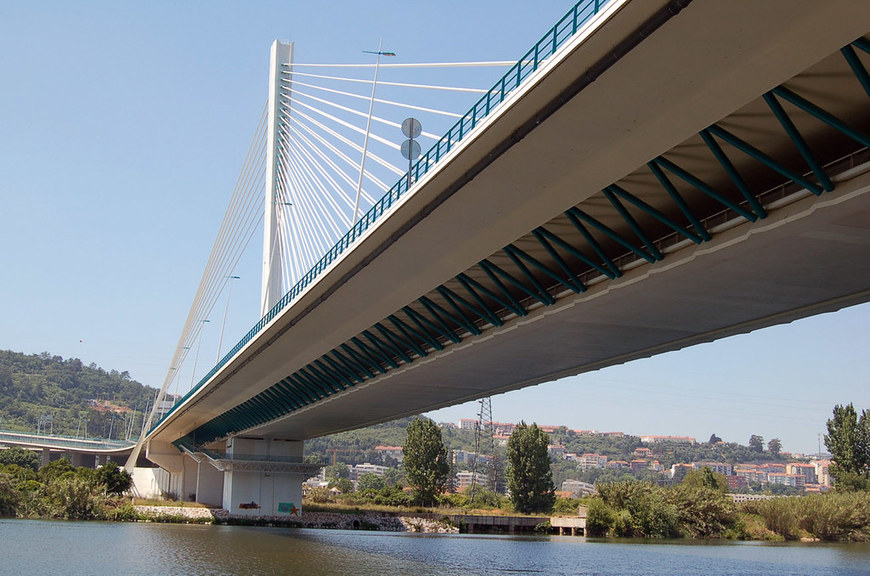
{"x": 263, "y": 476}
{"x": 280, "y": 59}
{"x": 250, "y": 475}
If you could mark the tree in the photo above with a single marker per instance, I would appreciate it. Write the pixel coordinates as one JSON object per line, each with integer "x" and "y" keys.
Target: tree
{"x": 848, "y": 441}
{"x": 337, "y": 471}
{"x": 343, "y": 485}
{"x": 756, "y": 443}
{"x": 426, "y": 465}
{"x": 319, "y": 494}
{"x": 634, "y": 509}
{"x": 8, "y": 495}
{"x": 862, "y": 436}
{"x": 706, "y": 478}
{"x": 55, "y": 470}
{"x": 714, "y": 439}
{"x": 393, "y": 476}
{"x": 774, "y": 446}
{"x": 114, "y": 478}
{"x": 370, "y": 481}
{"x": 5, "y": 379}
{"x": 21, "y": 457}
{"x": 74, "y": 498}
{"x": 530, "y": 479}
{"x": 703, "y": 510}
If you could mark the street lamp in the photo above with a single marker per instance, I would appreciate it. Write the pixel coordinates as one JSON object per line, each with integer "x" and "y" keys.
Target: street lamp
{"x": 196, "y": 356}
{"x": 362, "y": 164}
{"x": 176, "y": 378}
{"x": 226, "y": 309}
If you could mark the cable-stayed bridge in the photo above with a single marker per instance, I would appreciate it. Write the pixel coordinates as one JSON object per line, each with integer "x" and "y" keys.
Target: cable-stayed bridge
{"x": 649, "y": 175}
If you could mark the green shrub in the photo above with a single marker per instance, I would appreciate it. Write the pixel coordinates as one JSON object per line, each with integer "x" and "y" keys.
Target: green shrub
{"x": 121, "y": 512}
{"x": 114, "y": 478}
{"x": 703, "y": 511}
{"x": 74, "y": 498}
{"x": 641, "y": 509}
{"x": 566, "y": 506}
{"x": 485, "y": 499}
{"x": 451, "y": 500}
{"x": 836, "y": 517}
{"x": 9, "y": 496}
{"x": 20, "y": 457}
{"x": 600, "y": 518}
{"x": 319, "y": 495}
{"x": 780, "y": 516}
{"x": 392, "y": 496}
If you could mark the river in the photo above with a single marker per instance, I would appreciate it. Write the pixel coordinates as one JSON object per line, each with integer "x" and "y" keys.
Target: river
{"x": 37, "y": 547}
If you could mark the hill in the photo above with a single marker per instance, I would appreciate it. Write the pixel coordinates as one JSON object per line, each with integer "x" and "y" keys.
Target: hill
{"x": 66, "y": 397}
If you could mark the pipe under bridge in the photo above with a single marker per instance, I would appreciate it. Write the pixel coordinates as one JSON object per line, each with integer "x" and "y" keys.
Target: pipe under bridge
{"x": 673, "y": 173}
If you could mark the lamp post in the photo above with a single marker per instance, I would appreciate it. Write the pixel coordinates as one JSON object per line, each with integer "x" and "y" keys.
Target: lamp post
{"x": 196, "y": 356}
{"x": 176, "y": 378}
{"x": 362, "y": 164}
{"x": 224, "y": 323}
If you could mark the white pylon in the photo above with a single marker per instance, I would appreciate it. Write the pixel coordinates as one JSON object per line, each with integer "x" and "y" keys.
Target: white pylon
{"x": 273, "y": 257}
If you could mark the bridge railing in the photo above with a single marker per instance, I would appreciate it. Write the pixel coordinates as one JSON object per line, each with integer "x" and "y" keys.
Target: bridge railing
{"x": 63, "y": 441}
{"x": 530, "y": 62}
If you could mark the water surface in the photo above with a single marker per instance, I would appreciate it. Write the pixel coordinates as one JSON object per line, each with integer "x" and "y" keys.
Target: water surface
{"x": 36, "y": 547}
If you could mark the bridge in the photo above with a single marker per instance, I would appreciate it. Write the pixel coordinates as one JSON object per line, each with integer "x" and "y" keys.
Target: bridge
{"x": 81, "y": 451}
{"x": 649, "y": 175}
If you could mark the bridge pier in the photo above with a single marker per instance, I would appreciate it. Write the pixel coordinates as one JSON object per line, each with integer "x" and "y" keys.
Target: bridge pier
{"x": 251, "y": 477}
{"x": 209, "y": 484}
{"x": 171, "y": 461}
{"x": 263, "y": 477}
{"x": 78, "y": 459}
{"x": 189, "y": 480}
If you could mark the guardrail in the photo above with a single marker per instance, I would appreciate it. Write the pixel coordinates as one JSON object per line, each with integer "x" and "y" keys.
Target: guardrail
{"x": 564, "y": 29}
{"x": 64, "y": 441}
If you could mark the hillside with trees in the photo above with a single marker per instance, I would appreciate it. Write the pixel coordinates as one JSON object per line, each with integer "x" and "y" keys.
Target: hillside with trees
{"x": 64, "y": 396}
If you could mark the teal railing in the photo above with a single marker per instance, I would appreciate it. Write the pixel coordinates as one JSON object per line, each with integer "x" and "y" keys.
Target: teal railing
{"x": 563, "y": 30}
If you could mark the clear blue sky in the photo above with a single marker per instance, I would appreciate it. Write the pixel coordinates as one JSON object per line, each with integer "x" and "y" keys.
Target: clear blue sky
{"x": 123, "y": 127}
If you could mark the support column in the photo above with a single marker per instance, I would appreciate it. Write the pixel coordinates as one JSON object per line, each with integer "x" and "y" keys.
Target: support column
{"x": 170, "y": 461}
{"x": 45, "y": 457}
{"x": 209, "y": 485}
{"x": 264, "y": 477}
{"x": 189, "y": 480}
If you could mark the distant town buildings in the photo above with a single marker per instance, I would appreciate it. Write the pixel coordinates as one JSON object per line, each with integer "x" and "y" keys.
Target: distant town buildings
{"x": 667, "y": 439}
{"x": 578, "y": 488}
{"x": 589, "y": 461}
{"x": 718, "y": 467}
{"x": 360, "y": 469}
{"x": 394, "y": 452}
{"x": 465, "y": 479}
{"x": 800, "y": 473}
{"x": 465, "y": 458}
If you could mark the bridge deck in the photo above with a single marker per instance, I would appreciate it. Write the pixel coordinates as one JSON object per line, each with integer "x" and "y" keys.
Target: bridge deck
{"x": 767, "y": 256}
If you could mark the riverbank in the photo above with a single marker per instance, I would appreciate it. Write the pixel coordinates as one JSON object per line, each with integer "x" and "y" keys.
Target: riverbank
{"x": 350, "y": 520}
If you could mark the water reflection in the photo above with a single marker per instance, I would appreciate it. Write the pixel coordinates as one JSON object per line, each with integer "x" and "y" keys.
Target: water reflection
{"x": 39, "y": 547}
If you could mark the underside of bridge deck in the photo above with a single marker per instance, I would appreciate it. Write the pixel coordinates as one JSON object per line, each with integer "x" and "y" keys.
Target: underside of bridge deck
{"x": 713, "y": 180}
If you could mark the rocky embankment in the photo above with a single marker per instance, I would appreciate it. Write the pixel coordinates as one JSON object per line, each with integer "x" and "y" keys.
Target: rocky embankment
{"x": 380, "y": 521}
